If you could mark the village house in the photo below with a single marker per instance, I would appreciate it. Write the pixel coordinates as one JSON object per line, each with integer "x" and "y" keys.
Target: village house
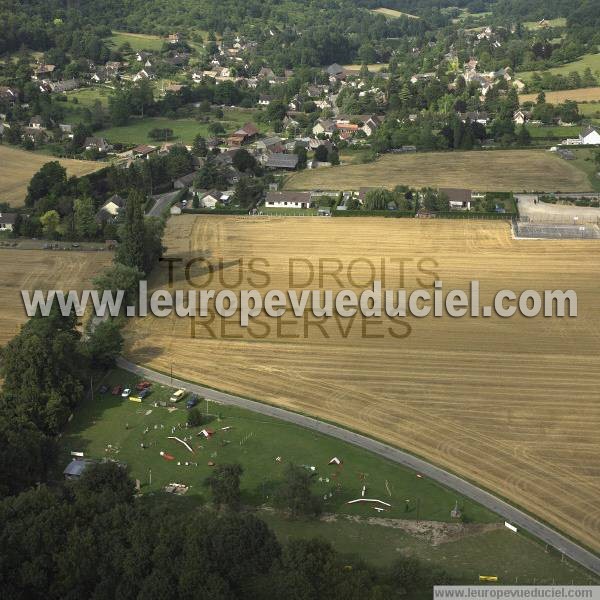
{"x": 144, "y": 151}
{"x": 324, "y": 127}
{"x": 175, "y": 38}
{"x": 185, "y": 181}
{"x": 287, "y": 200}
{"x": 67, "y": 85}
{"x": 43, "y": 72}
{"x": 242, "y": 136}
{"x": 145, "y": 73}
{"x": 7, "y": 221}
{"x": 270, "y": 144}
{"x": 66, "y": 129}
{"x": 9, "y": 93}
{"x": 520, "y": 117}
{"x": 109, "y": 211}
{"x": 589, "y": 136}
{"x": 96, "y": 143}
{"x": 279, "y": 160}
{"x": 459, "y": 199}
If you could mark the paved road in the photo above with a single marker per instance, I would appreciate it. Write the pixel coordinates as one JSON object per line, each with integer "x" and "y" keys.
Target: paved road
{"x": 161, "y": 201}
{"x": 505, "y": 510}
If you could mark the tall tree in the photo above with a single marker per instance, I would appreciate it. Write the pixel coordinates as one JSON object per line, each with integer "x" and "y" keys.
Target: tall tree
{"x": 131, "y": 249}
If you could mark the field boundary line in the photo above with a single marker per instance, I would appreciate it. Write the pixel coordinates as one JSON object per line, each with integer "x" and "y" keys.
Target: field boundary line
{"x": 516, "y": 516}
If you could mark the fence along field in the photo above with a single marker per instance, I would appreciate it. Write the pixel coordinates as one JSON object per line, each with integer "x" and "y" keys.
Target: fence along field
{"x": 42, "y": 269}
{"x": 498, "y": 170}
{"x": 510, "y": 404}
{"x": 17, "y": 167}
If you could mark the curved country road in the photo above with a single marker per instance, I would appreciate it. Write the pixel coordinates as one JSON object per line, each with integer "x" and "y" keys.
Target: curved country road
{"x": 505, "y": 510}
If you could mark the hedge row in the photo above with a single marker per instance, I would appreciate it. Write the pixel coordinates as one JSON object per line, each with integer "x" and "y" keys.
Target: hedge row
{"x": 216, "y": 211}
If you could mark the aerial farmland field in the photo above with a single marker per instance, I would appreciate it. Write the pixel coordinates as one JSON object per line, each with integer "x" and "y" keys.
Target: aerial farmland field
{"x": 507, "y": 170}
{"x": 41, "y": 269}
{"x": 510, "y": 404}
{"x": 17, "y": 167}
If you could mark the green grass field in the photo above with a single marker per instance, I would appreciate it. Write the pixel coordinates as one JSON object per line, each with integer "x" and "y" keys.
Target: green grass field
{"x": 137, "y": 41}
{"x": 86, "y": 97}
{"x": 255, "y": 442}
{"x": 553, "y": 132}
{"x": 390, "y": 13}
{"x": 533, "y": 25}
{"x": 587, "y": 60}
{"x": 512, "y": 558}
{"x": 584, "y": 160}
{"x": 184, "y": 130}
{"x": 589, "y": 109}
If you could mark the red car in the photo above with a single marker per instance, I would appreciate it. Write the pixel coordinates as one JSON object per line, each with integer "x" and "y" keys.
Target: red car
{"x": 116, "y": 391}
{"x": 142, "y": 385}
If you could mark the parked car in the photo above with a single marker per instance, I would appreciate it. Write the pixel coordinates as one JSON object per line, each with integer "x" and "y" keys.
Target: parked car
{"x": 117, "y": 390}
{"x": 126, "y": 393}
{"x": 145, "y": 392}
{"x": 142, "y": 385}
{"x": 103, "y": 389}
{"x": 177, "y": 396}
{"x": 191, "y": 401}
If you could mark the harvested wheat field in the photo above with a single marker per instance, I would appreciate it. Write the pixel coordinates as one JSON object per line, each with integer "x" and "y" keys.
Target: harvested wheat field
{"x": 41, "y": 269}
{"x": 498, "y": 170}
{"x": 589, "y": 94}
{"x": 511, "y": 404}
{"x": 17, "y": 167}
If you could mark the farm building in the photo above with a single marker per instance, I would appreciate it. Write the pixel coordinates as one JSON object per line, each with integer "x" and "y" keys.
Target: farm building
{"x": 110, "y": 209}
{"x": 242, "y": 136}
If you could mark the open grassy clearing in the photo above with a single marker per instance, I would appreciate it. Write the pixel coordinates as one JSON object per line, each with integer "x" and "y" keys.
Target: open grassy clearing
{"x": 137, "y": 41}
{"x": 590, "y": 109}
{"x": 591, "y": 94}
{"x": 44, "y": 270}
{"x": 393, "y": 14}
{"x": 509, "y": 170}
{"x": 466, "y": 550}
{"x": 510, "y": 404}
{"x": 373, "y": 68}
{"x": 587, "y": 60}
{"x": 17, "y": 167}
{"x": 184, "y": 130}
{"x": 87, "y": 97}
{"x": 558, "y": 22}
{"x": 584, "y": 160}
{"x": 490, "y": 551}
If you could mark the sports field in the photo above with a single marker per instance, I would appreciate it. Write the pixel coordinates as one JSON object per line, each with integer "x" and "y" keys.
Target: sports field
{"x": 41, "y": 269}
{"x": 17, "y": 167}
{"x": 589, "y": 94}
{"x": 510, "y": 404}
{"x": 498, "y": 170}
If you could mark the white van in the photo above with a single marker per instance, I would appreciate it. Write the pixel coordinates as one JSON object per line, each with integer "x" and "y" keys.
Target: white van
{"x": 177, "y": 396}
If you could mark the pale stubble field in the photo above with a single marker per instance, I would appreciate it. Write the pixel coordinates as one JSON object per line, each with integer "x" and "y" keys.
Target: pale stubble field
{"x": 511, "y": 404}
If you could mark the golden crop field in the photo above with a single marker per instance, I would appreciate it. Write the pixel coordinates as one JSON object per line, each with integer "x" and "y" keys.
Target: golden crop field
{"x": 498, "y": 170}
{"x": 511, "y": 404}
{"x": 41, "y": 269}
{"x": 17, "y": 167}
{"x": 590, "y": 94}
